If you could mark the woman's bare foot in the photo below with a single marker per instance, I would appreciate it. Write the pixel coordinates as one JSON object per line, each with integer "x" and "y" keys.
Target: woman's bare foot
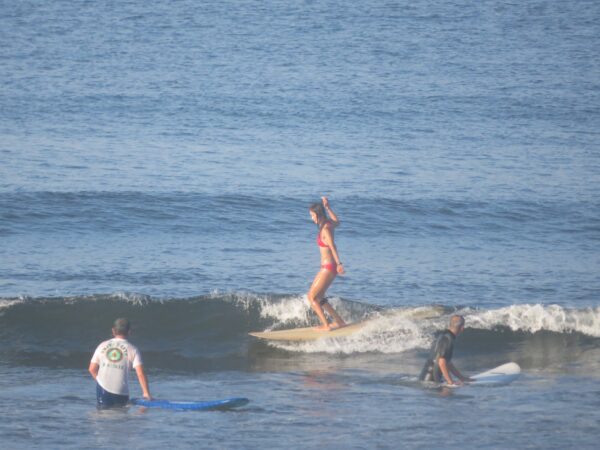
{"x": 331, "y": 326}
{"x": 336, "y": 325}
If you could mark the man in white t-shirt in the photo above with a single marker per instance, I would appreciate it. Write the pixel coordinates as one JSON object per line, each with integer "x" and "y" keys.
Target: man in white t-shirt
{"x": 111, "y": 364}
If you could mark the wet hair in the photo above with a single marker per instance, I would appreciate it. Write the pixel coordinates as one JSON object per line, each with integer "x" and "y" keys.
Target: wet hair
{"x": 457, "y": 321}
{"x": 121, "y": 326}
{"x": 318, "y": 209}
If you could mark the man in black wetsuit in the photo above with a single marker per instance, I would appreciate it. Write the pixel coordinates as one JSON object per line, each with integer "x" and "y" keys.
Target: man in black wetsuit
{"x": 439, "y": 365}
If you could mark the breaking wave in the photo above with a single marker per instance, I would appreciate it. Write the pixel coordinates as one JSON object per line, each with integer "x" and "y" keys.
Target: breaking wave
{"x": 211, "y": 331}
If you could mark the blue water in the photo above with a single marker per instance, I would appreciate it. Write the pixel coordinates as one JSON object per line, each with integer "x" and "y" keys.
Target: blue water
{"x": 168, "y": 151}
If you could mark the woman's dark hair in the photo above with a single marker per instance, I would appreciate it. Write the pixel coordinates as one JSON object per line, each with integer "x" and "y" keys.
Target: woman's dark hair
{"x": 318, "y": 209}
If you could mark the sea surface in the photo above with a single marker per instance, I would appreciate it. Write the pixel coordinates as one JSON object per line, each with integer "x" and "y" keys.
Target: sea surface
{"x": 157, "y": 161}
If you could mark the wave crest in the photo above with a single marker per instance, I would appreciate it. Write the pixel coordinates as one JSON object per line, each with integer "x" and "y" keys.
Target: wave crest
{"x": 213, "y": 329}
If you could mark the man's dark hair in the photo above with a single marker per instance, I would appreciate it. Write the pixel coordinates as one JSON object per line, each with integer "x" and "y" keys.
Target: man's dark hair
{"x": 121, "y": 326}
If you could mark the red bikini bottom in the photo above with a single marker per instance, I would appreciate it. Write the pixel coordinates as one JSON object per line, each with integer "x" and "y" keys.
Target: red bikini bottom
{"x": 332, "y": 267}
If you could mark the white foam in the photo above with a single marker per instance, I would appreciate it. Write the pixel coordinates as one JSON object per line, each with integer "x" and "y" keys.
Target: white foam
{"x": 281, "y": 311}
{"x": 131, "y": 297}
{"x": 295, "y": 310}
{"x": 533, "y": 318}
{"x": 405, "y": 329}
{"x": 7, "y": 303}
{"x": 392, "y": 332}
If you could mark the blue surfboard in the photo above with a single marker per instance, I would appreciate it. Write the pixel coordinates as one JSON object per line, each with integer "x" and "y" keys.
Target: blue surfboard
{"x": 191, "y": 406}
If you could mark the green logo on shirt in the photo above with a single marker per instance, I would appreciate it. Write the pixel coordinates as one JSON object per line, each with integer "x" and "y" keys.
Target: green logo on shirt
{"x": 114, "y": 354}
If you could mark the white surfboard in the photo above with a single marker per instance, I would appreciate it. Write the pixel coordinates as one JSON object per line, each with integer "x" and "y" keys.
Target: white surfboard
{"x": 307, "y": 334}
{"x": 504, "y": 374}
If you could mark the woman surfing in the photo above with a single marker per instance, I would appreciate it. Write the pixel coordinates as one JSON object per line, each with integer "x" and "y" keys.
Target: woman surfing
{"x": 331, "y": 266}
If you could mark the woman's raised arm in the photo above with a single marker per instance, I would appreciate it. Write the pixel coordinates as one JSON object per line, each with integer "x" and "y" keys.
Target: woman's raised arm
{"x": 334, "y": 220}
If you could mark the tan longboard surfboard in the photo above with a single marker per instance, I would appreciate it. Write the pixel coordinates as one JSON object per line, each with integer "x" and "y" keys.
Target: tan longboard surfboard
{"x": 307, "y": 334}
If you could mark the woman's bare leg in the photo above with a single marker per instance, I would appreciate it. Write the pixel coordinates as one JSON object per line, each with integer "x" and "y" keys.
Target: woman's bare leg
{"x": 317, "y": 292}
{"x": 337, "y": 320}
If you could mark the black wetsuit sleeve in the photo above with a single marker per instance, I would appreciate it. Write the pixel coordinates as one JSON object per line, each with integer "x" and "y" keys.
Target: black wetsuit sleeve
{"x": 443, "y": 348}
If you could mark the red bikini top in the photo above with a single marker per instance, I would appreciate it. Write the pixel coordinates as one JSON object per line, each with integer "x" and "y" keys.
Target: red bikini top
{"x": 320, "y": 242}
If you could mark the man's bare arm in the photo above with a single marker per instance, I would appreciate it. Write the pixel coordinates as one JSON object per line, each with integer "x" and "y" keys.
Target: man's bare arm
{"x": 143, "y": 381}
{"x": 93, "y": 369}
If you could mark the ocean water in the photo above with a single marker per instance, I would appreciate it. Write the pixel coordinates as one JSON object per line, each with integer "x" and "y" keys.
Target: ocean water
{"x": 157, "y": 160}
